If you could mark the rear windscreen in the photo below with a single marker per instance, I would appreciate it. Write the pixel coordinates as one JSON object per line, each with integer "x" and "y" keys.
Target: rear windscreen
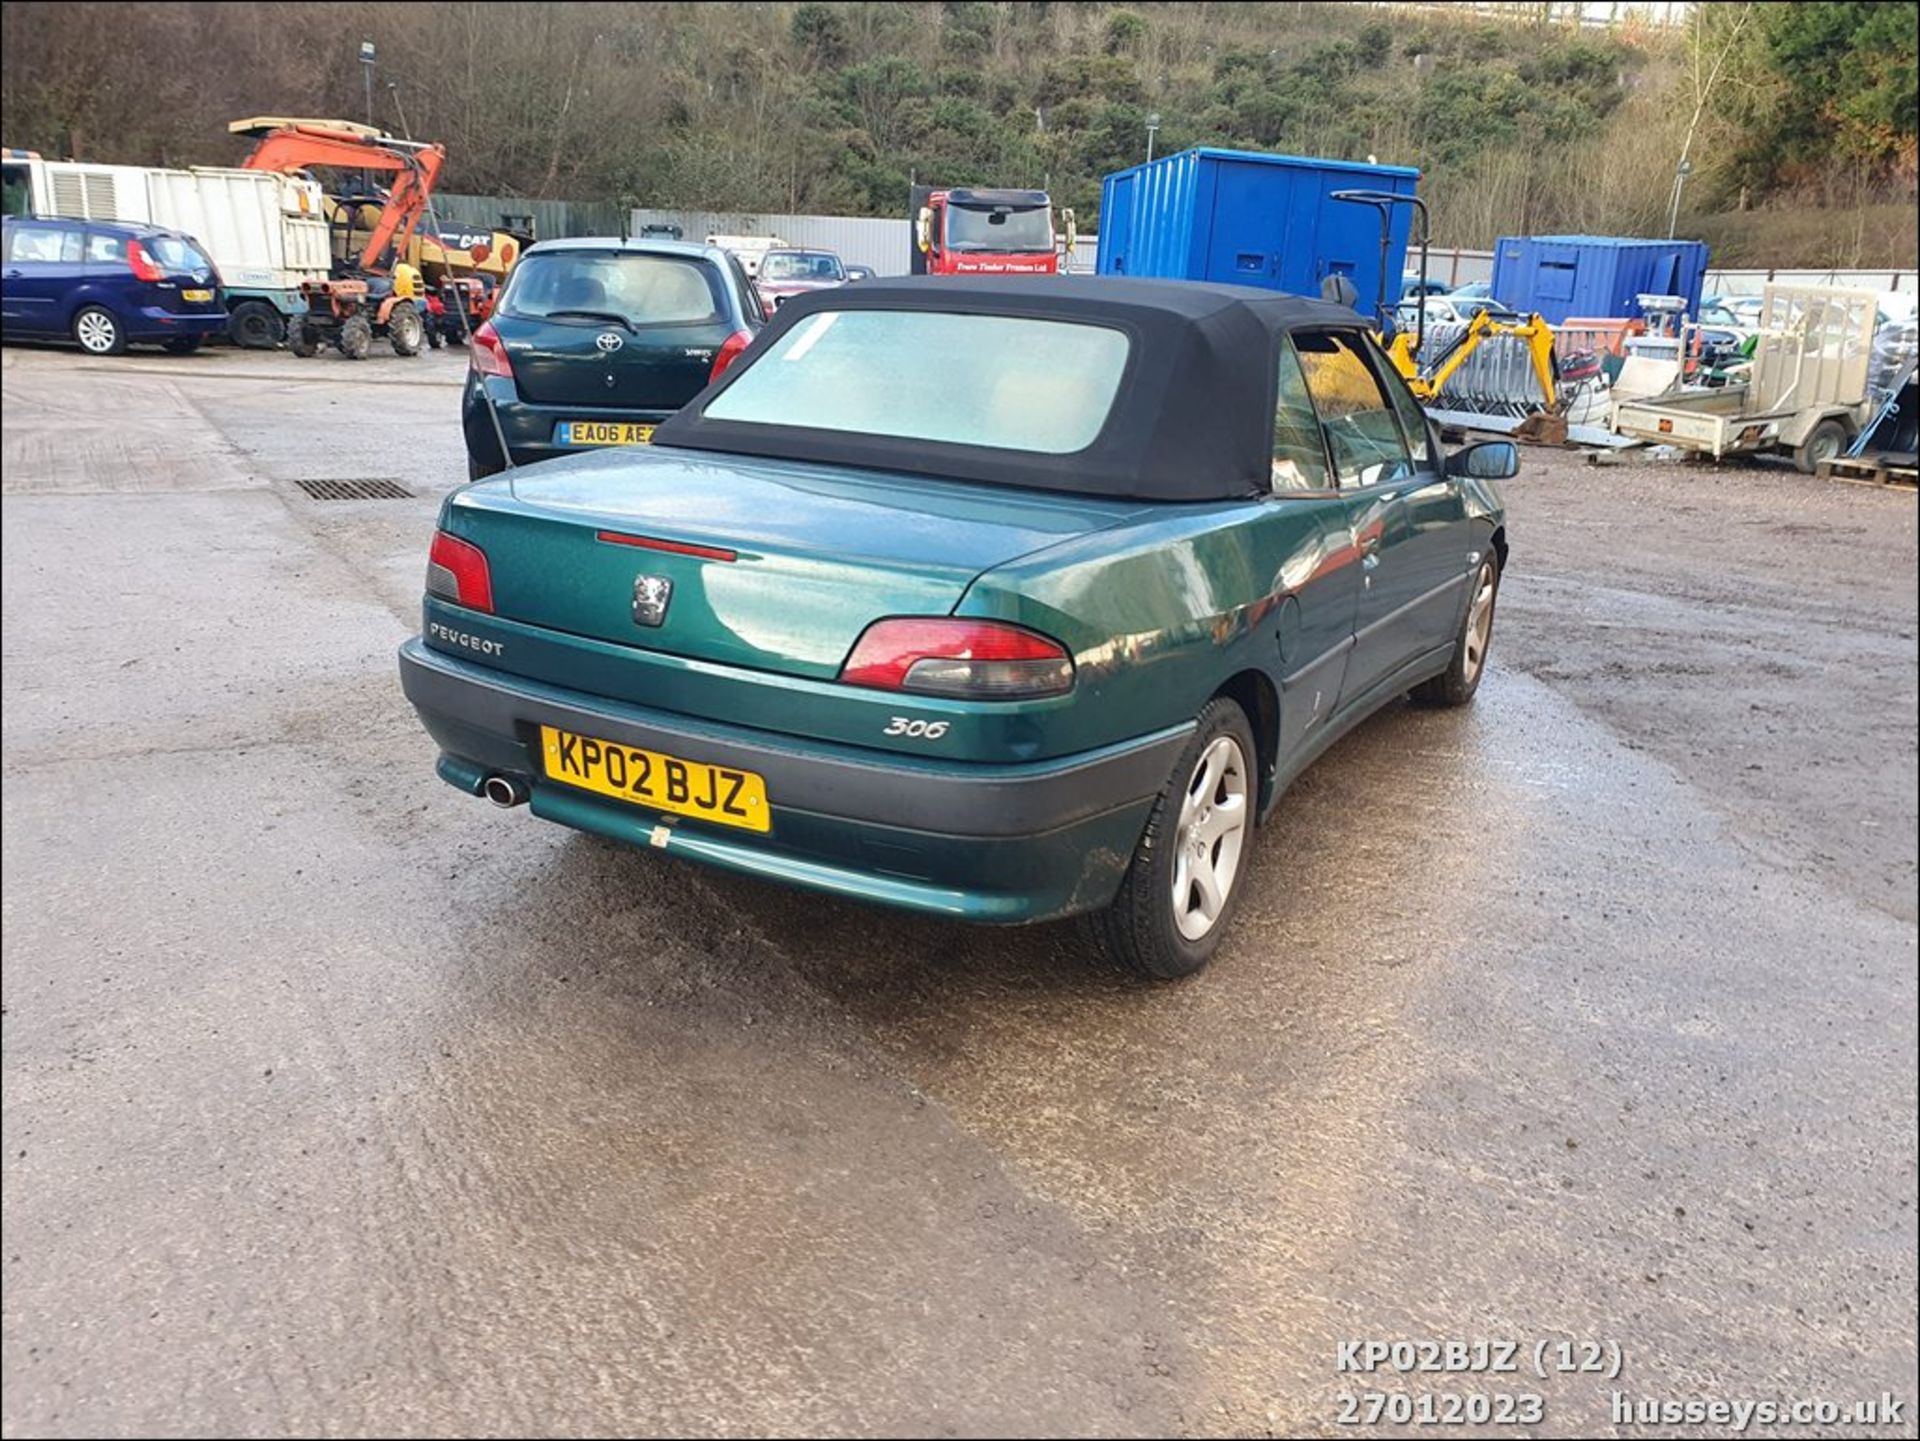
{"x": 790, "y": 265}
{"x": 607, "y": 285}
{"x": 1044, "y": 386}
{"x": 175, "y": 253}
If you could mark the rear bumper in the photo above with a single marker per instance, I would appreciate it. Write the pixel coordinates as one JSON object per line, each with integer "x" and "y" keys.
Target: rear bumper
{"x": 528, "y": 427}
{"x": 151, "y": 322}
{"x": 979, "y": 842}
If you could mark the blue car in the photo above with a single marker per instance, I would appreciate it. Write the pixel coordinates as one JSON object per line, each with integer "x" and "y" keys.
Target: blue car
{"x": 595, "y": 342}
{"x": 107, "y": 285}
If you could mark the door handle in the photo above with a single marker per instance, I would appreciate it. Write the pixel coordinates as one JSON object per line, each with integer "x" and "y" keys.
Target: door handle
{"x": 1370, "y": 543}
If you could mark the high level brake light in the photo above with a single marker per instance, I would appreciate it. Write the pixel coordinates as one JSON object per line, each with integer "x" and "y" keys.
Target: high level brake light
{"x": 487, "y": 354}
{"x": 457, "y": 571}
{"x": 965, "y": 659}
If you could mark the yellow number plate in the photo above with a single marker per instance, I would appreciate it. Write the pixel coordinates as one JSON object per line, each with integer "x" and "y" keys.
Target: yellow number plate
{"x": 602, "y": 432}
{"x": 663, "y": 783}
{"x": 196, "y": 297}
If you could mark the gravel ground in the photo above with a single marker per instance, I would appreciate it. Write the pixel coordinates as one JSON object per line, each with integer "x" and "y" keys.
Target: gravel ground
{"x": 338, "y": 1102}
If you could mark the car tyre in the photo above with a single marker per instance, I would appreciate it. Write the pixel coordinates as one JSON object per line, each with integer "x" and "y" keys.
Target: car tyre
{"x": 303, "y": 339}
{"x": 1200, "y": 831}
{"x": 1826, "y": 441}
{"x": 405, "y": 332}
{"x": 98, "y": 331}
{"x": 1456, "y": 684}
{"x": 478, "y": 469}
{"x": 181, "y": 344}
{"x": 356, "y": 337}
{"x": 256, "y": 325}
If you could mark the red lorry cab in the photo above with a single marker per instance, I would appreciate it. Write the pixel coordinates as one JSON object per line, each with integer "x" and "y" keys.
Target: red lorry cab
{"x": 986, "y": 232}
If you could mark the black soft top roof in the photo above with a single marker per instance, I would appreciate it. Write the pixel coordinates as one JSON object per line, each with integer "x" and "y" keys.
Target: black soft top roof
{"x": 1192, "y": 418}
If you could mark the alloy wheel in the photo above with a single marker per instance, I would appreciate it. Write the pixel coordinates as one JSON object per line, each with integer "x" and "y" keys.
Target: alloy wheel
{"x": 95, "y": 332}
{"x": 1210, "y": 837}
{"x": 1480, "y": 621}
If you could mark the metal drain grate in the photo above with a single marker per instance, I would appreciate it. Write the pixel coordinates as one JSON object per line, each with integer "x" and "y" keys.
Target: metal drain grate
{"x": 355, "y": 490}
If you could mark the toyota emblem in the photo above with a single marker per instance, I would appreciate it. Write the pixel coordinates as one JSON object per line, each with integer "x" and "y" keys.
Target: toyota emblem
{"x": 608, "y": 341}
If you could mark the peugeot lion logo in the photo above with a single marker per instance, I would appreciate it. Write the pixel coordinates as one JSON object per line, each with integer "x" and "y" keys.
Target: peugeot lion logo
{"x": 608, "y": 341}
{"x": 650, "y": 596}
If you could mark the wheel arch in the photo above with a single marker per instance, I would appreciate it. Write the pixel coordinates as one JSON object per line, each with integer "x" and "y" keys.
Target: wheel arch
{"x": 1259, "y": 699}
{"x": 1499, "y": 543}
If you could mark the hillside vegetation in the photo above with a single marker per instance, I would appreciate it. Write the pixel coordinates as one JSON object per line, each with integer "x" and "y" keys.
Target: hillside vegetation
{"x": 1798, "y": 120}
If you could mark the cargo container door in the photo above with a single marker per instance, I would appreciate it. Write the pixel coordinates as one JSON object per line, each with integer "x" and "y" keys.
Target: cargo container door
{"x": 1254, "y": 220}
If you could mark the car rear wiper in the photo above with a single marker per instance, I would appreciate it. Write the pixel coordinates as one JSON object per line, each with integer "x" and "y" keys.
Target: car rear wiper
{"x": 613, "y": 316}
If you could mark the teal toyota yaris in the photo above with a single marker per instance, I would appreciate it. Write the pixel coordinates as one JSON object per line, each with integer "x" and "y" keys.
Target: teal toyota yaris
{"x": 1005, "y": 599}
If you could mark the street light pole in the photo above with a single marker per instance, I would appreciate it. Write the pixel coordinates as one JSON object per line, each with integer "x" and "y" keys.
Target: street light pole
{"x": 366, "y": 67}
{"x": 1153, "y": 125}
{"x": 1680, "y": 174}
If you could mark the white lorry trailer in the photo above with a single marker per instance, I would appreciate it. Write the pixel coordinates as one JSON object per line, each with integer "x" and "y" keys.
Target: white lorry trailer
{"x": 265, "y": 233}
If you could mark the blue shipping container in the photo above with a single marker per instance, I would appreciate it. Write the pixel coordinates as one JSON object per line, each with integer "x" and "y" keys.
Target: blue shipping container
{"x": 1251, "y": 219}
{"x": 1594, "y": 276}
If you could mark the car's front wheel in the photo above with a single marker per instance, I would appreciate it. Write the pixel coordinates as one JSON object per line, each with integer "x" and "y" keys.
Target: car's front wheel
{"x": 98, "y": 332}
{"x": 1185, "y": 878}
{"x": 1456, "y": 684}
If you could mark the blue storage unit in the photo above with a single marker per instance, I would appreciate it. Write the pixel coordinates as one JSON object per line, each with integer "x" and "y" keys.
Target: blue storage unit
{"x": 1593, "y": 276}
{"x": 1251, "y": 219}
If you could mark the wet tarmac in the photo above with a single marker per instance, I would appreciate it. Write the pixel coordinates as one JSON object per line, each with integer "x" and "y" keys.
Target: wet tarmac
{"x": 336, "y": 1101}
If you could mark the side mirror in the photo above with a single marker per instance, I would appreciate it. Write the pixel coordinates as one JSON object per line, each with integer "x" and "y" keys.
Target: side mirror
{"x": 1488, "y": 460}
{"x": 923, "y": 229}
{"x": 1339, "y": 290}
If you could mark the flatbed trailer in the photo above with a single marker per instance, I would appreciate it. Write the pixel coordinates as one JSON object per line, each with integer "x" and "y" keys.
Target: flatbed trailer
{"x": 1806, "y": 394}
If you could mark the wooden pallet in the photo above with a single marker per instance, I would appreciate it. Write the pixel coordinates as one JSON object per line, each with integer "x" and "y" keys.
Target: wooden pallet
{"x": 1867, "y": 472}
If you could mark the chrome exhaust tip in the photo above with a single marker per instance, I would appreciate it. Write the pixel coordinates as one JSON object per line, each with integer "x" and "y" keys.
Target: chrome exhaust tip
{"x": 504, "y": 791}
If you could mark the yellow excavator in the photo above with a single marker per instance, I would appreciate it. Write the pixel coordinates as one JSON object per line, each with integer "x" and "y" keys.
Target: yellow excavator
{"x": 1427, "y": 375}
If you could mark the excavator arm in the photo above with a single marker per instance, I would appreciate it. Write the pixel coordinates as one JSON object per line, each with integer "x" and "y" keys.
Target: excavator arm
{"x": 304, "y": 146}
{"x": 1534, "y": 331}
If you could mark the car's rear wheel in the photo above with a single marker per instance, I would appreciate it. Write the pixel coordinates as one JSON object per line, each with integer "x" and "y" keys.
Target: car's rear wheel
{"x": 1457, "y": 683}
{"x": 256, "y": 325}
{"x": 98, "y": 332}
{"x": 1183, "y": 885}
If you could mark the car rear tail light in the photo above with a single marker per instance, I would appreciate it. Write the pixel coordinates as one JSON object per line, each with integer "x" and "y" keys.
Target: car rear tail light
{"x": 730, "y": 352}
{"x": 487, "y": 354}
{"x": 966, "y": 659}
{"x": 141, "y": 263}
{"x": 457, "y": 571}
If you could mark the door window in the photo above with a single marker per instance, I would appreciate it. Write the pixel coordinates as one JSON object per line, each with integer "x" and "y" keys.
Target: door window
{"x": 1299, "y": 454}
{"x": 43, "y": 245}
{"x": 1363, "y": 433}
{"x": 1413, "y": 420}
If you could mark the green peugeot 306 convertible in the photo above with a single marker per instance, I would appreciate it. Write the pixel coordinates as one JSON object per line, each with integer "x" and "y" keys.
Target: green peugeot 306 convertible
{"x": 1000, "y": 599}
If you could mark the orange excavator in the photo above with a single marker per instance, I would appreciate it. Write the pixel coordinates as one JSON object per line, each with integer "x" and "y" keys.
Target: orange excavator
{"x": 373, "y": 291}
